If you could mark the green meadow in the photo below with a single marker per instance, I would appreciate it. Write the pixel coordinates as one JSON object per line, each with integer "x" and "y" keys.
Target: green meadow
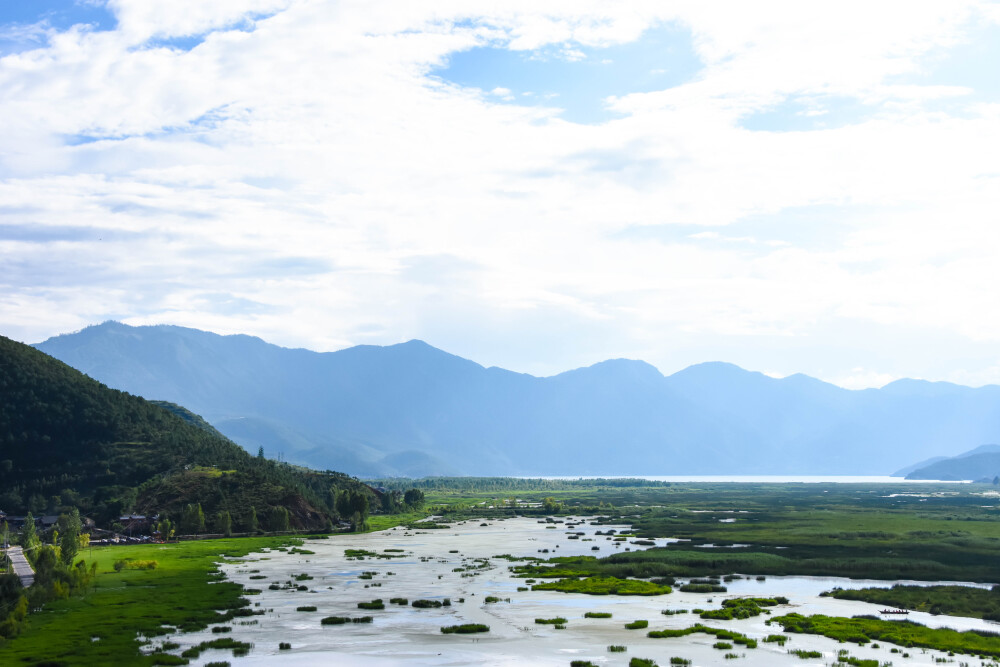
{"x": 104, "y": 626}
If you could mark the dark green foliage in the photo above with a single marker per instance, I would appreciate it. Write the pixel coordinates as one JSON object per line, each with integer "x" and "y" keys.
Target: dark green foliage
{"x": 603, "y": 586}
{"x": 702, "y": 588}
{"x": 426, "y": 604}
{"x": 465, "y": 628}
{"x": 581, "y": 663}
{"x": 373, "y": 605}
{"x": 806, "y": 655}
{"x": 284, "y": 646}
{"x": 306, "y": 608}
{"x": 739, "y": 608}
{"x": 597, "y": 614}
{"x": 734, "y": 637}
{"x": 863, "y": 629}
{"x": 559, "y": 620}
{"x": 414, "y": 498}
{"x": 335, "y": 620}
{"x": 950, "y": 600}
{"x": 107, "y": 452}
{"x": 617, "y": 648}
{"x": 642, "y": 662}
{"x": 637, "y": 625}
{"x": 69, "y": 535}
{"x": 223, "y": 643}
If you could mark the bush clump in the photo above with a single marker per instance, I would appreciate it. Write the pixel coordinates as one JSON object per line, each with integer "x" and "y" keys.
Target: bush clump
{"x": 426, "y": 604}
{"x": 559, "y": 620}
{"x": 465, "y": 628}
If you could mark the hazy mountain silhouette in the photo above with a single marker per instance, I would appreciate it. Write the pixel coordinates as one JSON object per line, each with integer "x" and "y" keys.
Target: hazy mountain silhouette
{"x": 979, "y": 464}
{"x": 411, "y": 409}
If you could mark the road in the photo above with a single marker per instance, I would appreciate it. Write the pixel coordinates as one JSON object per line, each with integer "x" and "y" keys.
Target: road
{"x": 21, "y": 566}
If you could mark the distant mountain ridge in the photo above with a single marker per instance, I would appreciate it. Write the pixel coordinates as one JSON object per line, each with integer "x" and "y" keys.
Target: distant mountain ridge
{"x": 981, "y": 464}
{"x": 412, "y": 409}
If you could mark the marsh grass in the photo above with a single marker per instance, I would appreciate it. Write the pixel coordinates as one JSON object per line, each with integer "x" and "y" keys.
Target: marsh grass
{"x": 465, "y": 629}
{"x": 864, "y": 629}
{"x": 121, "y": 606}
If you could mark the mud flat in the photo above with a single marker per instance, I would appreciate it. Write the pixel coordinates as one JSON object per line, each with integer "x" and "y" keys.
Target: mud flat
{"x": 461, "y": 563}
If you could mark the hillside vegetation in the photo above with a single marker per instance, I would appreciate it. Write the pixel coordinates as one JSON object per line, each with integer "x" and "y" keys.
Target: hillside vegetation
{"x": 68, "y": 441}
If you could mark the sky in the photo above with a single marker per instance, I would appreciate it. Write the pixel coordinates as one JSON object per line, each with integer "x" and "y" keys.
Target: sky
{"x": 787, "y": 186}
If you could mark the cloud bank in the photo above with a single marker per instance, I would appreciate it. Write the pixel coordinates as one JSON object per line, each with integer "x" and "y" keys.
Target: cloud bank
{"x": 786, "y": 186}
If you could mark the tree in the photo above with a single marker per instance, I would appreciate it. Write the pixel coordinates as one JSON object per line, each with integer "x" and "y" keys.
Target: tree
{"x": 224, "y": 523}
{"x": 193, "y": 519}
{"x": 414, "y": 498}
{"x": 166, "y": 528}
{"x": 254, "y": 523}
{"x": 260, "y": 452}
{"x": 69, "y": 530}
{"x": 277, "y": 519}
{"x": 29, "y": 537}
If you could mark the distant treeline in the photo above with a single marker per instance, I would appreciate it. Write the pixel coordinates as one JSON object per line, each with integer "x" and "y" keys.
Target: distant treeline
{"x": 511, "y": 483}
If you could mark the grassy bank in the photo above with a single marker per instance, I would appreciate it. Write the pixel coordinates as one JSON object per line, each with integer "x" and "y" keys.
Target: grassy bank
{"x": 865, "y": 629}
{"x": 950, "y": 600}
{"x": 102, "y": 627}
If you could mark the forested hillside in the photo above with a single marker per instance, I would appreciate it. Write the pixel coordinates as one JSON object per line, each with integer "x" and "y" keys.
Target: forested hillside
{"x": 68, "y": 441}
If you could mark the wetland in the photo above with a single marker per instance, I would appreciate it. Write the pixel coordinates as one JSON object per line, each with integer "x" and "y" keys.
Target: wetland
{"x": 601, "y": 574}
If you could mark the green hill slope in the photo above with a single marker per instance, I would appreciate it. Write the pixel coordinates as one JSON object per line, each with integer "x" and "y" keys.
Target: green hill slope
{"x": 67, "y": 440}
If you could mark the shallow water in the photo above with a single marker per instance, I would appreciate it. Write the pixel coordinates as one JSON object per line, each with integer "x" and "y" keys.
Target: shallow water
{"x": 412, "y": 636}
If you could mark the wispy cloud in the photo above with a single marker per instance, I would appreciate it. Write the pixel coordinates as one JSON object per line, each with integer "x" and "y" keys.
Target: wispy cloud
{"x": 307, "y": 172}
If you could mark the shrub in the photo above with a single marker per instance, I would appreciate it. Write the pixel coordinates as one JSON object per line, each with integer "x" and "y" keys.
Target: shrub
{"x": 465, "y": 628}
{"x": 551, "y": 621}
{"x": 401, "y": 601}
{"x": 642, "y": 662}
{"x": 597, "y": 614}
{"x": 426, "y": 604}
{"x": 335, "y": 620}
{"x": 617, "y": 648}
{"x": 637, "y": 625}
{"x": 284, "y": 646}
{"x": 374, "y": 604}
{"x": 306, "y": 608}
{"x": 132, "y": 564}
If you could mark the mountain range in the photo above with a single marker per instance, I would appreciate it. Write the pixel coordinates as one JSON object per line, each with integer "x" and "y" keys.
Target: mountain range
{"x": 411, "y": 409}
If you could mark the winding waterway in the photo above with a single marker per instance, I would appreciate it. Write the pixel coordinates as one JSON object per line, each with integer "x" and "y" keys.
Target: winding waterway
{"x": 427, "y": 568}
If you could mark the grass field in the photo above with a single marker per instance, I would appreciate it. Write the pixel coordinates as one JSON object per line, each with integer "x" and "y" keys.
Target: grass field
{"x": 103, "y": 626}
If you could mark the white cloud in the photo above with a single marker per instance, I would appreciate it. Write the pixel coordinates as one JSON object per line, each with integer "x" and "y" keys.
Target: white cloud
{"x": 300, "y": 160}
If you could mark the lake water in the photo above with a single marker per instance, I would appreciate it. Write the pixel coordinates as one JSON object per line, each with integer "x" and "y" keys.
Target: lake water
{"x": 766, "y": 479}
{"x": 404, "y": 635}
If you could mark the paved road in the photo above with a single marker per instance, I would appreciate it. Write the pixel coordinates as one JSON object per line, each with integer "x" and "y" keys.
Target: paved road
{"x": 21, "y": 566}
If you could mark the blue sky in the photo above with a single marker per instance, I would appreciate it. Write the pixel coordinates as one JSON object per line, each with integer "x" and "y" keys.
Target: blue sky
{"x": 532, "y": 187}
